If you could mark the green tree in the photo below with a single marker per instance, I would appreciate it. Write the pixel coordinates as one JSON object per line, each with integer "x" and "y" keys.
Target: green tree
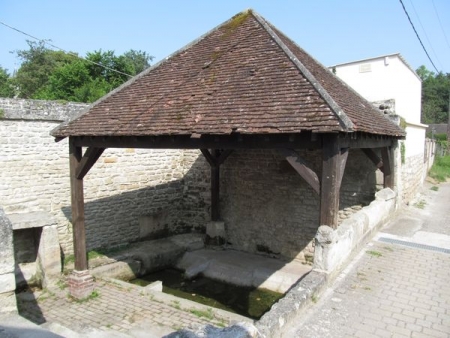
{"x": 55, "y": 75}
{"x": 6, "y": 85}
{"x": 115, "y": 70}
{"x": 139, "y": 59}
{"x": 435, "y": 95}
{"x": 64, "y": 81}
{"x": 38, "y": 63}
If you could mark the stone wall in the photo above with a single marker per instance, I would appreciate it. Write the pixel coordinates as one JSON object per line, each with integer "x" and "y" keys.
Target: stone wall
{"x": 130, "y": 194}
{"x": 268, "y": 208}
{"x": 413, "y": 172}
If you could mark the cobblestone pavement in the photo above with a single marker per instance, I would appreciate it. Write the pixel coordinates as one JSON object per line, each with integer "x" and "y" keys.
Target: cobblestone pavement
{"x": 391, "y": 290}
{"x": 117, "y": 309}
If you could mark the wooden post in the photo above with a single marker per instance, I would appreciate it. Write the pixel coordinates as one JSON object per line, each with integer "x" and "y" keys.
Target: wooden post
{"x": 77, "y": 200}
{"x": 215, "y": 158}
{"x": 333, "y": 164}
{"x": 215, "y": 188}
{"x": 388, "y": 167}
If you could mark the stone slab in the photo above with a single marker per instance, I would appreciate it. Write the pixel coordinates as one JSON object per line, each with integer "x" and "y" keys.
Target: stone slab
{"x": 6, "y": 244}
{"x": 36, "y": 219}
{"x": 244, "y": 269}
{"x": 8, "y": 302}
{"x": 49, "y": 257}
{"x": 7, "y": 282}
{"x": 216, "y": 229}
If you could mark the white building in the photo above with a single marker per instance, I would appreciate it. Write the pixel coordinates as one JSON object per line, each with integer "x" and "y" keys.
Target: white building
{"x": 389, "y": 81}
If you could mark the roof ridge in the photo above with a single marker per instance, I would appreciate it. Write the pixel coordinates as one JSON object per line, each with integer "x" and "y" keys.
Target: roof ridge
{"x": 345, "y": 121}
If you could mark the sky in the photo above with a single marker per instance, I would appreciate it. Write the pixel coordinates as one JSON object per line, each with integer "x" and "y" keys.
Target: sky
{"x": 332, "y": 31}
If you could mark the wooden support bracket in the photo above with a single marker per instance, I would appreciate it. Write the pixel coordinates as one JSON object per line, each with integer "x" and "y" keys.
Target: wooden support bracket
{"x": 90, "y": 156}
{"x": 374, "y": 158}
{"x": 302, "y": 167}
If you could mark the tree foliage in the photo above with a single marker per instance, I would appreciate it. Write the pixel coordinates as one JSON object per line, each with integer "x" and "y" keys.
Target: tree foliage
{"x": 6, "y": 85}
{"x": 435, "y": 95}
{"x": 55, "y": 75}
{"x": 38, "y": 62}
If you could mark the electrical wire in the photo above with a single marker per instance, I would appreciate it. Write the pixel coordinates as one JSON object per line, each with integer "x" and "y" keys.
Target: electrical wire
{"x": 440, "y": 23}
{"x": 70, "y": 53}
{"x": 418, "y": 37}
{"x": 425, "y": 32}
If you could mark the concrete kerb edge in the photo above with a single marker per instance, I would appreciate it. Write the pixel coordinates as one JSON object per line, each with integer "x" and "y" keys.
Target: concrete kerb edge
{"x": 184, "y": 304}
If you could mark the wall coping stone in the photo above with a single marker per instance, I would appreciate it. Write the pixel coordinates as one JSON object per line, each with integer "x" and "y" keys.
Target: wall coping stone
{"x": 40, "y": 110}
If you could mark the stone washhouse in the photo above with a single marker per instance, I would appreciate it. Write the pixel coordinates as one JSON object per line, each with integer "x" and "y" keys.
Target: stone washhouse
{"x": 243, "y": 87}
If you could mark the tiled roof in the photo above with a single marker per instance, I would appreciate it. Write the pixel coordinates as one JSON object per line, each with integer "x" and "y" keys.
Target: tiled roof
{"x": 245, "y": 77}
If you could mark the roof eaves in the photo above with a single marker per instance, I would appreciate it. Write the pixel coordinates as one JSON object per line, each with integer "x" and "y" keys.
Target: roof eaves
{"x": 346, "y": 122}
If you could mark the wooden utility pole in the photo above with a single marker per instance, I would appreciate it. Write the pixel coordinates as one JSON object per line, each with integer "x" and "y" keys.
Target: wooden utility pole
{"x": 448, "y": 125}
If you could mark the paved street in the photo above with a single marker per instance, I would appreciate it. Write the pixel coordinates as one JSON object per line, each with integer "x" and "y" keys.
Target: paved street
{"x": 398, "y": 285}
{"x": 119, "y": 310}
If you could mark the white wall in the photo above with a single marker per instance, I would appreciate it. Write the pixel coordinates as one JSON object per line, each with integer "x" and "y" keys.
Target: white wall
{"x": 385, "y": 78}
{"x": 415, "y": 139}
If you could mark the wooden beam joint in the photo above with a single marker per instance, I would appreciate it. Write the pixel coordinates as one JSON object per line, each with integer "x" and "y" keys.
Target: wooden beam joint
{"x": 215, "y": 158}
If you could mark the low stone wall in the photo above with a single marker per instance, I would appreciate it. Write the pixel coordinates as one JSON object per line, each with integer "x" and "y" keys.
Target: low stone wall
{"x": 333, "y": 249}
{"x": 7, "y": 278}
{"x": 334, "y": 246}
{"x": 413, "y": 172}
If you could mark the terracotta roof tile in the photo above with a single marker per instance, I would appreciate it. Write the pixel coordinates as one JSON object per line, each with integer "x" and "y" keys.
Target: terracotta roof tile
{"x": 244, "y": 76}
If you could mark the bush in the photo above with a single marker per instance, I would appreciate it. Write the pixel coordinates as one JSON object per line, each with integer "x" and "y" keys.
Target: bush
{"x": 440, "y": 170}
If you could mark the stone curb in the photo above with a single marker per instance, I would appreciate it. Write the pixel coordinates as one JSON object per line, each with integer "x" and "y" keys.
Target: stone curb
{"x": 301, "y": 295}
{"x": 183, "y": 303}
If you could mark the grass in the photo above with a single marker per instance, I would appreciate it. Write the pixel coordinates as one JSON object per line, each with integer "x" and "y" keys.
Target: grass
{"x": 440, "y": 170}
{"x": 421, "y": 204}
{"x": 46, "y": 294}
{"x": 93, "y": 254}
{"x": 176, "y": 304}
{"x": 61, "y": 284}
{"x": 92, "y": 296}
{"x": 208, "y": 313}
{"x": 434, "y": 188}
{"x": 374, "y": 253}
